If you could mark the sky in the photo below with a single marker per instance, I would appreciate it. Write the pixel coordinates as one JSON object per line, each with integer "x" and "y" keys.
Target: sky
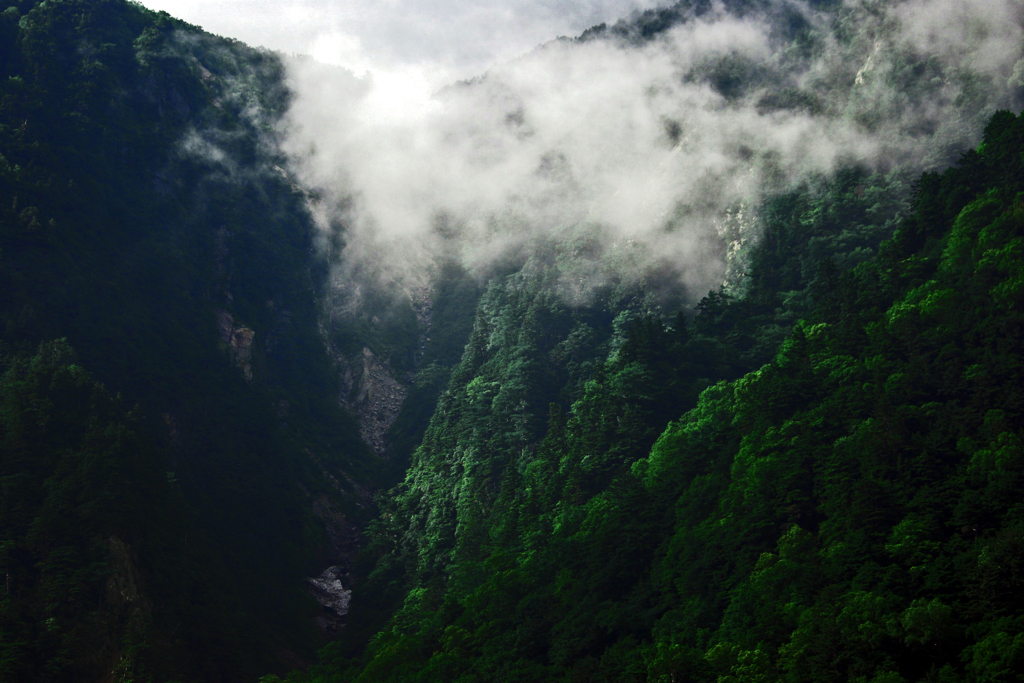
{"x": 453, "y": 38}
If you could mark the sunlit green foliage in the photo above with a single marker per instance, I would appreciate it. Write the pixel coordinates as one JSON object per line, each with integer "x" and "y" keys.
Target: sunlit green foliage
{"x": 844, "y": 512}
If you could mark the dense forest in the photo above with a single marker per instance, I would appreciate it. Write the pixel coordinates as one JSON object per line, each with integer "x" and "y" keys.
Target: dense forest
{"x": 808, "y": 473}
{"x": 169, "y": 413}
{"x": 842, "y": 510}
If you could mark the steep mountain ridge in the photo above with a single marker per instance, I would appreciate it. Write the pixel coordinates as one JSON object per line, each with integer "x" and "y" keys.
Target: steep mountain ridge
{"x": 545, "y": 531}
{"x": 841, "y": 513}
{"x": 146, "y": 219}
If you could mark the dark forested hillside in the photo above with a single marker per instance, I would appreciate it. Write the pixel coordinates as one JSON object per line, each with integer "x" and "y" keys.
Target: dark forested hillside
{"x": 841, "y": 510}
{"x": 170, "y": 417}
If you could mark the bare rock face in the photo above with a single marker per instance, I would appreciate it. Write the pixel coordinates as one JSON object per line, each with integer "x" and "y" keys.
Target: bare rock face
{"x": 333, "y": 597}
{"x": 370, "y": 389}
{"x": 344, "y": 537}
{"x": 239, "y": 340}
{"x": 376, "y": 398}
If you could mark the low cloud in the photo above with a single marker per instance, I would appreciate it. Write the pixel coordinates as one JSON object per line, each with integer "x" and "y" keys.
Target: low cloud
{"x": 656, "y": 150}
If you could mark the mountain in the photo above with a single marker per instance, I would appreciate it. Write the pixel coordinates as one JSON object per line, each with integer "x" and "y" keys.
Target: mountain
{"x": 175, "y": 459}
{"x": 844, "y": 511}
{"x": 695, "y": 354}
{"x": 796, "y": 478}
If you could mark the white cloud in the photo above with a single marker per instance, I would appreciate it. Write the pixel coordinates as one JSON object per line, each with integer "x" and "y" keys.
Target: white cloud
{"x": 642, "y": 146}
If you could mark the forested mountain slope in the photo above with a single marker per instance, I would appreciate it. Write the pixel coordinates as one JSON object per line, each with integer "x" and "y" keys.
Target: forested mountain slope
{"x": 784, "y": 482}
{"x": 161, "y": 464}
{"x": 845, "y": 511}
{"x": 597, "y": 473}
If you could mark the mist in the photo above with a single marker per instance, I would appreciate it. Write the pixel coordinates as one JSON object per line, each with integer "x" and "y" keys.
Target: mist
{"x": 658, "y": 149}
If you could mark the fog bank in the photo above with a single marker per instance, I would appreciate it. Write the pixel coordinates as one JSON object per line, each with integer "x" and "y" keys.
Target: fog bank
{"x": 650, "y": 146}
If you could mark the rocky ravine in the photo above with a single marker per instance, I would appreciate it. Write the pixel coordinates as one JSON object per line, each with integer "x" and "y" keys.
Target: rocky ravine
{"x": 374, "y": 397}
{"x": 377, "y": 399}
